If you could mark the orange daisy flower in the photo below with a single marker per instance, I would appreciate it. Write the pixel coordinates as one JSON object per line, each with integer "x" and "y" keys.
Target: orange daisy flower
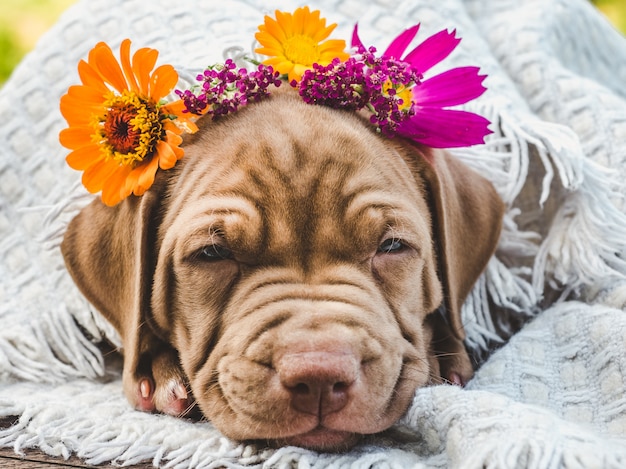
{"x": 293, "y": 41}
{"x": 119, "y": 131}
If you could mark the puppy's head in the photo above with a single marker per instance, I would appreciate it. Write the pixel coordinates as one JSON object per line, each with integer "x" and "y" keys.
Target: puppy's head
{"x": 295, "y": 259}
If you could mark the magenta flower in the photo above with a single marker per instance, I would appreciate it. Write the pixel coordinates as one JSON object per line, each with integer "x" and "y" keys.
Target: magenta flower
{"x": 431, "y": 123}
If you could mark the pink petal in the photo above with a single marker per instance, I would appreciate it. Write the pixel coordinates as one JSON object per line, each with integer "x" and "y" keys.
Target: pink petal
{"x": 432, "y": 51}
{"x": 400, "y": 43}
{"x": 356, "y": 40}
{"x": 450, "y": 88}
{"x": 444, "y": 128}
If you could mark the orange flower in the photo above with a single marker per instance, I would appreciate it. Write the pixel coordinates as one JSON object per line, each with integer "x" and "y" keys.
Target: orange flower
{"x": 119, "y": 131}
{"x": 293, "y": 41}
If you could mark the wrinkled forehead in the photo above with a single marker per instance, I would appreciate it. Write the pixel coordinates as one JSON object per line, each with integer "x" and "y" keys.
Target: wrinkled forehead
{"x": 285, "y": 141}
{"x": 285, "y": 160}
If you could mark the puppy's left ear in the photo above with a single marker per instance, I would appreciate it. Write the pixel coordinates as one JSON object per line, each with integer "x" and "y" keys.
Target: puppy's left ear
{"x": 467, "y": 220}
{"x": 110, "y": 253}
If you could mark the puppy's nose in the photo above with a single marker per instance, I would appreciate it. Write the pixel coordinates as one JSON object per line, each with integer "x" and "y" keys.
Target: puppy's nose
{"x": 319, "y": 383}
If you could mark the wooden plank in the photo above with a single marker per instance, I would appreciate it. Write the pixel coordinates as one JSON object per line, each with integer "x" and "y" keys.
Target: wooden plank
{"x": 34, "y": 459}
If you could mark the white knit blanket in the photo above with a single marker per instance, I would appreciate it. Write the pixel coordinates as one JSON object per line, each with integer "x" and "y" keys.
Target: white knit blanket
{"x": 553, "y": 395}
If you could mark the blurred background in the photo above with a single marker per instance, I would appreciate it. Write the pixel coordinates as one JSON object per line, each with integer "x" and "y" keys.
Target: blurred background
{"x": 22, "y": 22}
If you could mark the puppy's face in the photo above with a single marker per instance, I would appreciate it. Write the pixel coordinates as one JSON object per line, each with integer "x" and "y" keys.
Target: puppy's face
{"x": 290, "y": 261}
{"x": 295, "y": 274}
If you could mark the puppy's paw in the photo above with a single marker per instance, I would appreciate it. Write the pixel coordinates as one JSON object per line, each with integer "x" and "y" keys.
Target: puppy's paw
{"x": 160, "y": 386}
{"x": 171, "y": 395}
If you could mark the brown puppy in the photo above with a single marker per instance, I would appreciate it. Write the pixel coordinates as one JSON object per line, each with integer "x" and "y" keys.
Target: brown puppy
{"x": 288, "y": 273}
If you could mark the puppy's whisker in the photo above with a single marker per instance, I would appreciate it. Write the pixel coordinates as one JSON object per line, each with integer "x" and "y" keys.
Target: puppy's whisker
{"x": 190, "y": 407}
{"x": 446, "y": 354}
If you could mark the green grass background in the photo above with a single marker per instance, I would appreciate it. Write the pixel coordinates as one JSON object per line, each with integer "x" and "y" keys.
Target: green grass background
{"x": 22, "y": 22}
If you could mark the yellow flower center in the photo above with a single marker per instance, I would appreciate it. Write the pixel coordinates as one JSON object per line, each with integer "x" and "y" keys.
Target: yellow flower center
{"x": 402, "y": 93}
{"x": 301, "y": 50}
{"x": 129, "y": 129}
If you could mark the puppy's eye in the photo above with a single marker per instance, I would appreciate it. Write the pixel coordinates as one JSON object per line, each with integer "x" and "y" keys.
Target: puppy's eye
{"x": 391, "y": 246}
{"x": 216, "y": 252}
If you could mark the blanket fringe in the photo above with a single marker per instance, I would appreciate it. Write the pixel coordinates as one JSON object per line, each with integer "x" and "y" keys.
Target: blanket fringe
{"x": 61, "y": 343}
{"x": 50, "y": 350}
{"x": 583, "y": 245}
{"x": 103, "y": 443}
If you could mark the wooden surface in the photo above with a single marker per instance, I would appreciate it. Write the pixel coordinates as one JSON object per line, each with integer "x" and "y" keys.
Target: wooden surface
{"x": 37, "y": 460}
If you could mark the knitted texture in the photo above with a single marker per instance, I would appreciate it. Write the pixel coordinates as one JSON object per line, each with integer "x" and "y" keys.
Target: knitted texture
{"x": 552, "y": 396}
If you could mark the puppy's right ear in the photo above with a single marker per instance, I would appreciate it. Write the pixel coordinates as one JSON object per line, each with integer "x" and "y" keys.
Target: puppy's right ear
{"x": 111, "y": 254}
{"x": 467, "y": 220}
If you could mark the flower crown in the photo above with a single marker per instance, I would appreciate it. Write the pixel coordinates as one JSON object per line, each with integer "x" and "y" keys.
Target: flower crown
{"x": 122, "y": 127}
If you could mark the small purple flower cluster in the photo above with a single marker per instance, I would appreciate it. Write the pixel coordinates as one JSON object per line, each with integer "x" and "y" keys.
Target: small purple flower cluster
{"x": 380, "y": 84}
{"x": 363, "y": 80}
{"x": 225, "y": 89}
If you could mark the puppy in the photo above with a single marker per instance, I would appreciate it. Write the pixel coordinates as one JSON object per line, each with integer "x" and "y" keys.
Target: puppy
{"x": 296, "y": 275}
